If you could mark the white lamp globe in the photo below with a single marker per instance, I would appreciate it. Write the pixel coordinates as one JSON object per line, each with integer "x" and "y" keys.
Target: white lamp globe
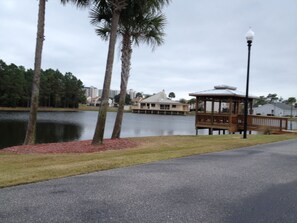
{"x": 250, "y": 35}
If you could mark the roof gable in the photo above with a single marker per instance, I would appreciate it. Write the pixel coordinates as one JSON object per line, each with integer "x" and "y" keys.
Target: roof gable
{"x": 160, "y": 97}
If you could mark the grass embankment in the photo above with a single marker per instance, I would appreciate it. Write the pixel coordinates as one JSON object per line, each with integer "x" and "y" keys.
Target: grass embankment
{"x": 21, "y": 169}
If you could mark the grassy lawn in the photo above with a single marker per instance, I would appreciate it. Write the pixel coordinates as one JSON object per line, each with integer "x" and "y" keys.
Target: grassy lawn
{"x": 21, "y": 169}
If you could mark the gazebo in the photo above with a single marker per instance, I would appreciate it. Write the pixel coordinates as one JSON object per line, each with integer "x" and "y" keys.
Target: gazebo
{"x": 222, "y": 108}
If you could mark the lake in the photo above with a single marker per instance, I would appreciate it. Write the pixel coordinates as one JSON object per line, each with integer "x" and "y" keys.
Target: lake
{"x": 69, "y": 126}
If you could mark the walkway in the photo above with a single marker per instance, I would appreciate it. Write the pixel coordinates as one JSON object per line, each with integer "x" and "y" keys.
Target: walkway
{"x": 255, "y": 184}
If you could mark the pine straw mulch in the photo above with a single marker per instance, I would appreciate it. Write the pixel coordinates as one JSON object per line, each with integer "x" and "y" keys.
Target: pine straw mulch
{"x": 71, "y": 147}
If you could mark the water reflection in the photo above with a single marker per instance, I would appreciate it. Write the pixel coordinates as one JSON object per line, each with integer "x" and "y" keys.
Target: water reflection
{"x": 57, "y": 132}
{"x": 68, "y": 126}
{"x": 13, "y": 132}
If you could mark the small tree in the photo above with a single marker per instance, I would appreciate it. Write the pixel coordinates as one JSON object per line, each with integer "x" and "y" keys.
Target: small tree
{"x": 262, "y": 100}
{"x": 272, "y": 98}
{"x": 182, "y": 100}
{"x": 139, "y": 95}
{"x": 171, "y": 95}
{"x": 127, "y": 100}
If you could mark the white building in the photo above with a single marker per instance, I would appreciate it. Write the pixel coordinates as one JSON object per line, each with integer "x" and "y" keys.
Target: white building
{"x": 160, "y": 104}
{"x": 112, "y": 93}
{"x": 91, "y": 92}
{"x": 276, "y": 109}
{"x": 132, "y": 93}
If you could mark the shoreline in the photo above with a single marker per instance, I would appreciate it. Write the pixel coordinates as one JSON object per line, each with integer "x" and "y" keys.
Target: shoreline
{"x": 51, "y": 109}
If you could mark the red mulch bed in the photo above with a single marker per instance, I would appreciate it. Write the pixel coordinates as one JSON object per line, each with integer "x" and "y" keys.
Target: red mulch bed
{"x": 71, "y": 147}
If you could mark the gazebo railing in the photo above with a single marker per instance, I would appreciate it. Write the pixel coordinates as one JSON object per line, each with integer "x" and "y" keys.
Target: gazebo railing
{"x": 235, "y": 122}
{"x": 255, "y": 121}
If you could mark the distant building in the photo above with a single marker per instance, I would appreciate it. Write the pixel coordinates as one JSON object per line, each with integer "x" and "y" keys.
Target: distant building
{"x": 276, "y": 109}
{"x": 131, "y": 93}
{"x": 112, "y": 93}
{"x": 160, "y": 104}
{"x": 100, "y": 92}
{"x": 96, "y": 101}
{"x": 91, "y": 92}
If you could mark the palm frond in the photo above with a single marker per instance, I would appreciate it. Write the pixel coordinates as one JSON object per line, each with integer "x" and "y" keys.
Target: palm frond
{"x": 79, "y": 3}
{"x": 101, "y": 12}
{"x": 103, "y": 32}
{"x": 149, "y": 29}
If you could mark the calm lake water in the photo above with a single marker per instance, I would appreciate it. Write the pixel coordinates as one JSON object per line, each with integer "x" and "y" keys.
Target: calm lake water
{"x": 69, "y": 126}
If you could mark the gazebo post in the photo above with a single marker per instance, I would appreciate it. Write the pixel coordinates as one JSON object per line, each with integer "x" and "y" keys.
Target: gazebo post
{"x": 220, "y": 106}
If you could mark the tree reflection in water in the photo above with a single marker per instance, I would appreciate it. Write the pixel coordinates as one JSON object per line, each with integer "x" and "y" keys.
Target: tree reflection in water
{"x": 13, "y": 132}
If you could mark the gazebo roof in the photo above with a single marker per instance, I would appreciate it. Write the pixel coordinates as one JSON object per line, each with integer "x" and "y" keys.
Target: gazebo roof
{"x": 222, "y": 91}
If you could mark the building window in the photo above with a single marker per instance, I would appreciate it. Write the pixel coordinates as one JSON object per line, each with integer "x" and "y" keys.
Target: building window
{"x": 173, "y": 106}
{"x": 165, "y": 107}
{"x": 153, "y": 105}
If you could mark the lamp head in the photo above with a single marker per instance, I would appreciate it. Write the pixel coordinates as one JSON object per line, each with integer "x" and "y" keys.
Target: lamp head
{"x": 250, "y": 35}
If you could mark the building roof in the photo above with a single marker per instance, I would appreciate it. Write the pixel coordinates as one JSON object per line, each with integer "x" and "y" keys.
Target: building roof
{"x": 222, "y": 91}
{"x": 280, "y": 105}
{"x": 160, "y": 97}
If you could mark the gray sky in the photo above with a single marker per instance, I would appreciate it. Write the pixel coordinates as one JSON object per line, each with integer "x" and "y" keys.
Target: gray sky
{"x": 204, "y": 46}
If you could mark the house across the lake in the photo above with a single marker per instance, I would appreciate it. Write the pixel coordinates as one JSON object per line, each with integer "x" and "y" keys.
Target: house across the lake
{"x": 276, "y": 109}
{"x": 160, "y": 104}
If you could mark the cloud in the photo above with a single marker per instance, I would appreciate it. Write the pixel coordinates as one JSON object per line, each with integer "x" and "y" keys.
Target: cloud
{"x": 204, "y": 46}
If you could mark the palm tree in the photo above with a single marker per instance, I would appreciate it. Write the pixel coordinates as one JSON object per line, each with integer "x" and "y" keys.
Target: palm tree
{"x": 113, "y": 8}
{"x": 31, "y": 128}
{"x": 109, "y": 11}
{"x": 138, "y": 23}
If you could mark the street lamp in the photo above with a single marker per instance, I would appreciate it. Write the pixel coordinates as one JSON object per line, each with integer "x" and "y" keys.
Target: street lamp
{"x": 249, "y": 37}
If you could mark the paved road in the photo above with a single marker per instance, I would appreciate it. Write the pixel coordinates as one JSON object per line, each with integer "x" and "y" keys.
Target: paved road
{"x": 255, "y": 184}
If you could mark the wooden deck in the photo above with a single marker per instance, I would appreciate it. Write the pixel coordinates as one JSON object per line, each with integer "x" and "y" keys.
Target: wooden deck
{"x": 234, "y": 123}
{"x": 158, "y": 112}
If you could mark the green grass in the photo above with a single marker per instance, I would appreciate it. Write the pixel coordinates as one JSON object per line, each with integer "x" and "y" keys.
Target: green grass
{"x": 21, "y": 169}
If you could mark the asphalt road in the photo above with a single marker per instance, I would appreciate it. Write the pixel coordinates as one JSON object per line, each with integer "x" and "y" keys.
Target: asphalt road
{"x": 255, "y": 184}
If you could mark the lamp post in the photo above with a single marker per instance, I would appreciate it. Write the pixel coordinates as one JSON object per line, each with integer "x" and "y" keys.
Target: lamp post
{"x": 249, "y": 37}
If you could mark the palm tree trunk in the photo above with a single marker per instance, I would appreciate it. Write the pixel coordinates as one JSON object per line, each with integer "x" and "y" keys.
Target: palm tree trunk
{"x": 126, "y": 65}
{"x": 31, "y": 128}
{"x": 100, "y": 126}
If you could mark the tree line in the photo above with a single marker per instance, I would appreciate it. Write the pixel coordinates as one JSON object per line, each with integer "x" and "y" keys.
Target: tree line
{"x": 56, "y": 89}
{"x": 273, "y": 98}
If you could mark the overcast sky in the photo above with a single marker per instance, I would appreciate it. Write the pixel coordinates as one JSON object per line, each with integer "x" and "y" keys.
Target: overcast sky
{"x": 204, "y": 46}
